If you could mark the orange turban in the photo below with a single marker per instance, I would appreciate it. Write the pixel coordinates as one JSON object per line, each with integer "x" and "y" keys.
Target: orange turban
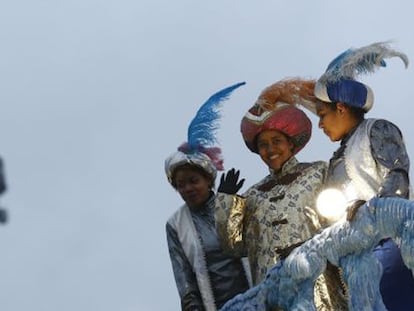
{"x": 275, "y": 109}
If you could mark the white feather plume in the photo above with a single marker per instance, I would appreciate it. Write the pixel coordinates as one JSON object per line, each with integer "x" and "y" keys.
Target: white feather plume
{"x": 353, "y": 62}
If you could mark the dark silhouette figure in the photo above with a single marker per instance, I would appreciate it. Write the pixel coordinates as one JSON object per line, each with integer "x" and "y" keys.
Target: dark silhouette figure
{"x": 3, "y": 212}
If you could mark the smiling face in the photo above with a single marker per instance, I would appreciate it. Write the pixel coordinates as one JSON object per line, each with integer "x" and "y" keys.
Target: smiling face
{"x": 274, "y": 148}
{"x": 192, "y": 185}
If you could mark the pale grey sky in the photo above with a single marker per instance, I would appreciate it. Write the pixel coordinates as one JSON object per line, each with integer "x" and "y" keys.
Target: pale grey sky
{"x": 95, "y": 95}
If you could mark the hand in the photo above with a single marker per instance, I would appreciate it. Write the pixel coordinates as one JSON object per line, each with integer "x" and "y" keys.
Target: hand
{"x": 353, "y": 209}
{"x": 313, "y": 217}
{"x": 229, "y": 183}
{"x": 192, "y": 301}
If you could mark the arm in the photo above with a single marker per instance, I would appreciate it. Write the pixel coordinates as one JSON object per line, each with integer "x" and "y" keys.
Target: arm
{"x": 229, "y": 215}
{"x": 388, "y": 149}
{"x": 230, "y": 212}
{"x": 185, "y": 278}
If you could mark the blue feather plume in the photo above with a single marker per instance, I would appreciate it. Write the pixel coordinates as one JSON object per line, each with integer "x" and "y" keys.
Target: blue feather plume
{"x": 354, "y": 62}
{"x": 202, "y": 129}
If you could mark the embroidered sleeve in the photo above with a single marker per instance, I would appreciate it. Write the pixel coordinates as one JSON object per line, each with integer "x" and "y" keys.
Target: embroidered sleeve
{"x": 389, "y": 150}
{"x": 229, "y": 214}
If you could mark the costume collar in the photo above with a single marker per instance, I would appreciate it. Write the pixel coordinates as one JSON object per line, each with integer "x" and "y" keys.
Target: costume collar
{"x": 347, "y": 136}
{"x": 287, "y": 168}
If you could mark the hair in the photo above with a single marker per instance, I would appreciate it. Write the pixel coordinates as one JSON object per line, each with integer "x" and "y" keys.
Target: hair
{"x": 193, "y": 167}
{"x": 357, "y": 112}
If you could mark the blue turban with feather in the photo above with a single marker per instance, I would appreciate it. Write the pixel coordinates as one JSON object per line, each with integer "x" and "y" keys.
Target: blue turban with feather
{"x": 338, "y": 83}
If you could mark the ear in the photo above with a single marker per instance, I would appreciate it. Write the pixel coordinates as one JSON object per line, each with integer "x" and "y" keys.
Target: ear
{"x": 341, "y": 107}
{"x": 210, "y": 181}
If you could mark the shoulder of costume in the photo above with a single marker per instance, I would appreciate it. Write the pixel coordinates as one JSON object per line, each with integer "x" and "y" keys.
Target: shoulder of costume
{"x": 174, "y": 218}
{"x": 384, "y": 121}
{"x": 380, "y": 124}
{"x": 313, "y": 165}
{"x": 259, "y": 183}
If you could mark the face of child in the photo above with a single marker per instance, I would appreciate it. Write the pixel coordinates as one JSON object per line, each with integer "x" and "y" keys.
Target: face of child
{"x": 274, "y": 148}
{"x": 335, "y": 123}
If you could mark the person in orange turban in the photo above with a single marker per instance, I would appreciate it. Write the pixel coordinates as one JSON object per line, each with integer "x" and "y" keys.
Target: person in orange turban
{"x": 276, "y": 214}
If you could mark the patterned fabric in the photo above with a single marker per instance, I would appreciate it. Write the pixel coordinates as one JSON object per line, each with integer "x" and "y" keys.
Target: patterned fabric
{"x": 180, "y": 158}
{"x": 268, "y": 219}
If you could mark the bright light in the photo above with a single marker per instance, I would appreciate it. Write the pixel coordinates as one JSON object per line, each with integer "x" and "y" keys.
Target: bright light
{"x": 331, "y": 204}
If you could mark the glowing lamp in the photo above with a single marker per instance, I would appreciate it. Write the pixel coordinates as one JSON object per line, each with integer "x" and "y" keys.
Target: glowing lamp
{"x": 331, "y": 204}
